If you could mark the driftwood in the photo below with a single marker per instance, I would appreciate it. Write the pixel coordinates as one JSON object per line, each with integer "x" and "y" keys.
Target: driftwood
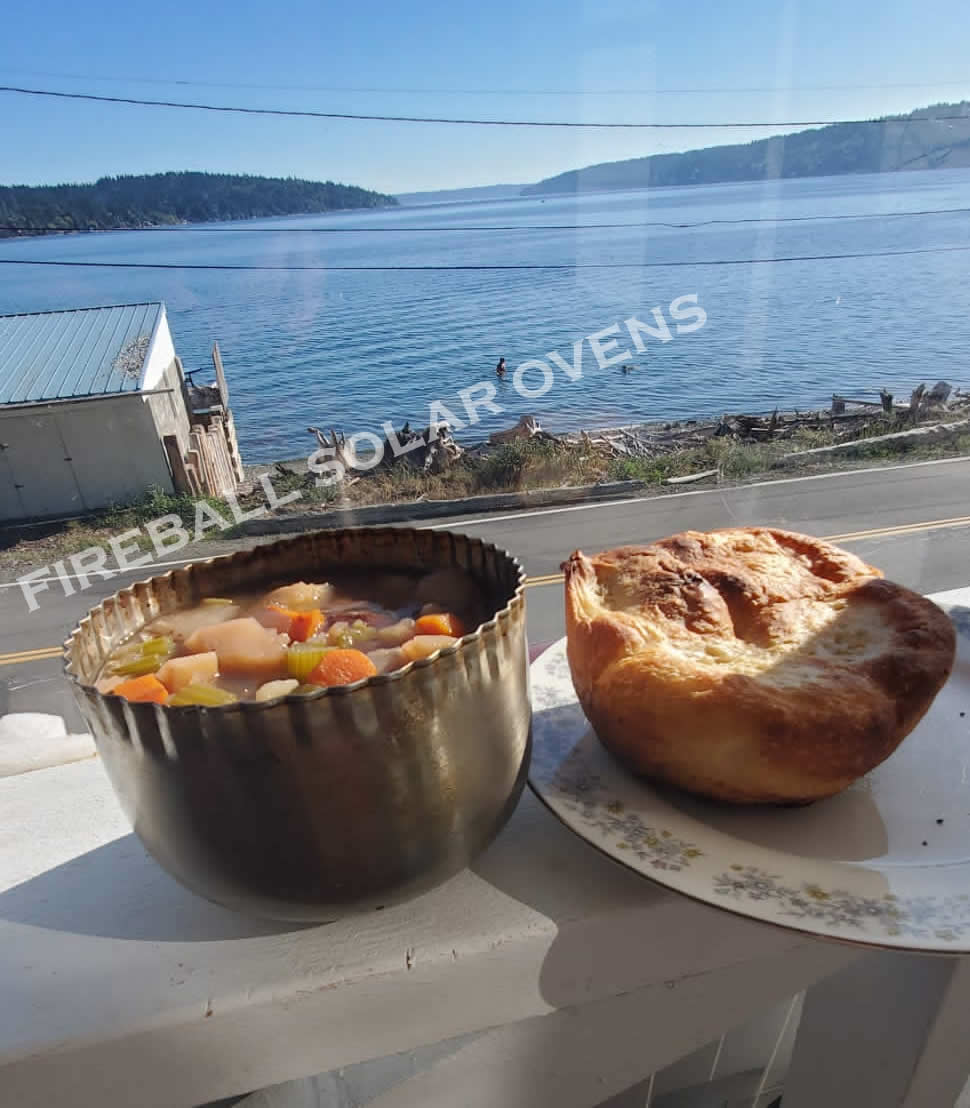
{"x": 617, "y": 443}
{"x": 849, "y": 417}
{"x": 939, "y": 393}
{"x": 916, "y": 401}
{"x": 441, "y": 449}
{"x": 337, "y": 445}
{"x": 432, "y": 449}
{"x": 691, "y": 477}
{"x": 527, "y": 428}
{"x": 839, "y": 402}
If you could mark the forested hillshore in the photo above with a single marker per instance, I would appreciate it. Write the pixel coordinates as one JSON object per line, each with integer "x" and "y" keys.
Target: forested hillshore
{"x": 937, "y": 137}
{"x": 158, "y": 199}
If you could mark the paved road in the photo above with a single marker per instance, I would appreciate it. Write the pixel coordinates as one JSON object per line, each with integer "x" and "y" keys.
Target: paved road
{"x": 912, "y": 521}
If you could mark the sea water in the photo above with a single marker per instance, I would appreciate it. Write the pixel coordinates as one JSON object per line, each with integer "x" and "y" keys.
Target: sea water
{"x": 879, "y": 300}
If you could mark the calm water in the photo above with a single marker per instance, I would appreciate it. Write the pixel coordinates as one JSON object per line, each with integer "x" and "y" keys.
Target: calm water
{"x": 353, "y": 349}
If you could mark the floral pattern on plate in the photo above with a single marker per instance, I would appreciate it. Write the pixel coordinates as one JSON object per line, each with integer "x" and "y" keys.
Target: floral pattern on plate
{"x": 946, "y": 918}
{"x": 908, "y": 905}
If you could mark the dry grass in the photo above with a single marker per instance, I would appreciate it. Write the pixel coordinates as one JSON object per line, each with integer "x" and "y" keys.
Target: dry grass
{"x": 513, "y": 467}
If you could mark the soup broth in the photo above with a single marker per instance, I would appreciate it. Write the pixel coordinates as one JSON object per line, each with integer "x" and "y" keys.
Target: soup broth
{"x": 292, "y": 638}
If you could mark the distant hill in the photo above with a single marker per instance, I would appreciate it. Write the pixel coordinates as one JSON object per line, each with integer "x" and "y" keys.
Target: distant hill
{"x": 896, "y": 142}
{"x": 161, "y": 198}
{"x": 451, "y": 196}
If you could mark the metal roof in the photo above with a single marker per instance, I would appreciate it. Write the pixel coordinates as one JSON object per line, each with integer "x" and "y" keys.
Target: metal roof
{"x": 81, "y": 352}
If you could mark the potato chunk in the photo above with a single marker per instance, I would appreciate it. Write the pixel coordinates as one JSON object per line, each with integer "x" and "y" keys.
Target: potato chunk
{"x": 180, "y": 625}
{"x": 300, "y": 597}
{"x": 423, "y": 645}
{"x": 244, "y": 647}
{"x": 191, "y": 669}
{"x": 396, "y": 633}
{"x": 386, "y": 661}
{"x": 272, "y": 689}
{"x": 275, "y": 618}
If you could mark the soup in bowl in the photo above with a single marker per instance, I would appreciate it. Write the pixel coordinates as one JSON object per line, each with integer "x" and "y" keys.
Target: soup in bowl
{"x": 315, "y": 726}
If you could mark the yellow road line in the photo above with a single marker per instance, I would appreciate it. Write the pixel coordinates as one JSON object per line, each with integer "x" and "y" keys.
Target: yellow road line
{"x": 902, "y": 529}
{"x": 849, "y": 536}
{"x": 42, "y": 653}
{"x": 38, "y": 655}
{"x": 543, "y": 579}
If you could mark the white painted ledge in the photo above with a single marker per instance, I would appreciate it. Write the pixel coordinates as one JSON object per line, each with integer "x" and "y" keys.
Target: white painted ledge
{"x": 121, "y": 988}
{"x": 33, "y": 740}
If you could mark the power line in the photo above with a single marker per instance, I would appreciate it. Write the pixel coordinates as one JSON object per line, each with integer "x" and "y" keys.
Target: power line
{"x": 310, "y": 114}
{"x": 182, "y": 229}
{"x": 704, "y": 91}
{"x": 476, "y": 268}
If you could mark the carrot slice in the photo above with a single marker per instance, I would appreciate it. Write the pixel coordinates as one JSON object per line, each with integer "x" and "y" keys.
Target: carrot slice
{"x": 147, "y": 687}
{"x": 440, "y": 623}
{"x": 342, "y": 667}
{"x": 305, "y": 624}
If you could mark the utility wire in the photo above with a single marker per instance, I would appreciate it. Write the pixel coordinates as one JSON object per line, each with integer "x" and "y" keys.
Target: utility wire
{"x": 309, "y": 114}
{"x": 181, "y": 229}
{"x": 476, "y": 268}
{"x": 46, "y": 75}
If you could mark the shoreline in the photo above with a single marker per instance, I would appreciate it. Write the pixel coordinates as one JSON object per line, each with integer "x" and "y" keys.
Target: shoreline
{"x": 533, "y": 471}
{"x": 647, "y": 455}
{"x": 665, "y": 436}
{"x": 26, "y": 233}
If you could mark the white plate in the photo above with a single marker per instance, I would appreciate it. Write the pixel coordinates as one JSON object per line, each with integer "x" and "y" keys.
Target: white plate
{"x": 885, "y": 863}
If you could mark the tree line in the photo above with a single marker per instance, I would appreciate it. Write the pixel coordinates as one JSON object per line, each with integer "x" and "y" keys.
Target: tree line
{"x": 918, "y": 140}
{"x": 157, "y": 199}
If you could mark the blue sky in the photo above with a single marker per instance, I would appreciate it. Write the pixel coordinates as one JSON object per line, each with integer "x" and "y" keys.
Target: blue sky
{"x": 588, "y": 48}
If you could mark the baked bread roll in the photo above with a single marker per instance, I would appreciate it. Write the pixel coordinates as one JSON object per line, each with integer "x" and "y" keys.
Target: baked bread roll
{"x": 751, "y": 665}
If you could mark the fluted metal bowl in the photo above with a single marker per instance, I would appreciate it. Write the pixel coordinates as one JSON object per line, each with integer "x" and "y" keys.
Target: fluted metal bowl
{"x": 309, "y": 807}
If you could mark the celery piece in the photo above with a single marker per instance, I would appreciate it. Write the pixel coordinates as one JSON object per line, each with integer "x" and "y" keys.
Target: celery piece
{"x": 217, "y": 600}
{"x": 207, "y": 696}
{"x": 161, "y": 645}
{"x": 341, "y": 635}
{"x": 139, "y": 666}
{"x": 361, "y": 631}
{"x": 302, "y": 658}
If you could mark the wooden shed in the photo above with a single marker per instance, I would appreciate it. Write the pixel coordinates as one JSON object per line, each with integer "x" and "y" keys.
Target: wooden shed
{"x": 94, "y": 410}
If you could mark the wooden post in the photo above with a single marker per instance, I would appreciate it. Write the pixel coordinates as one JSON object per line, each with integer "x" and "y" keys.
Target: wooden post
{"x": 180, "y": 477}
{"x": 220, "y": 375}
{"x": 230, "y": 429}
{"x": 219, "y": 453}
{"x": 193, "y": 466}
{"x": 205, "y": 469}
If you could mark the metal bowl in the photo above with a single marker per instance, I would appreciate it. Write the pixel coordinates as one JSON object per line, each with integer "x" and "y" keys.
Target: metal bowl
{"x": 310, "y": 807}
